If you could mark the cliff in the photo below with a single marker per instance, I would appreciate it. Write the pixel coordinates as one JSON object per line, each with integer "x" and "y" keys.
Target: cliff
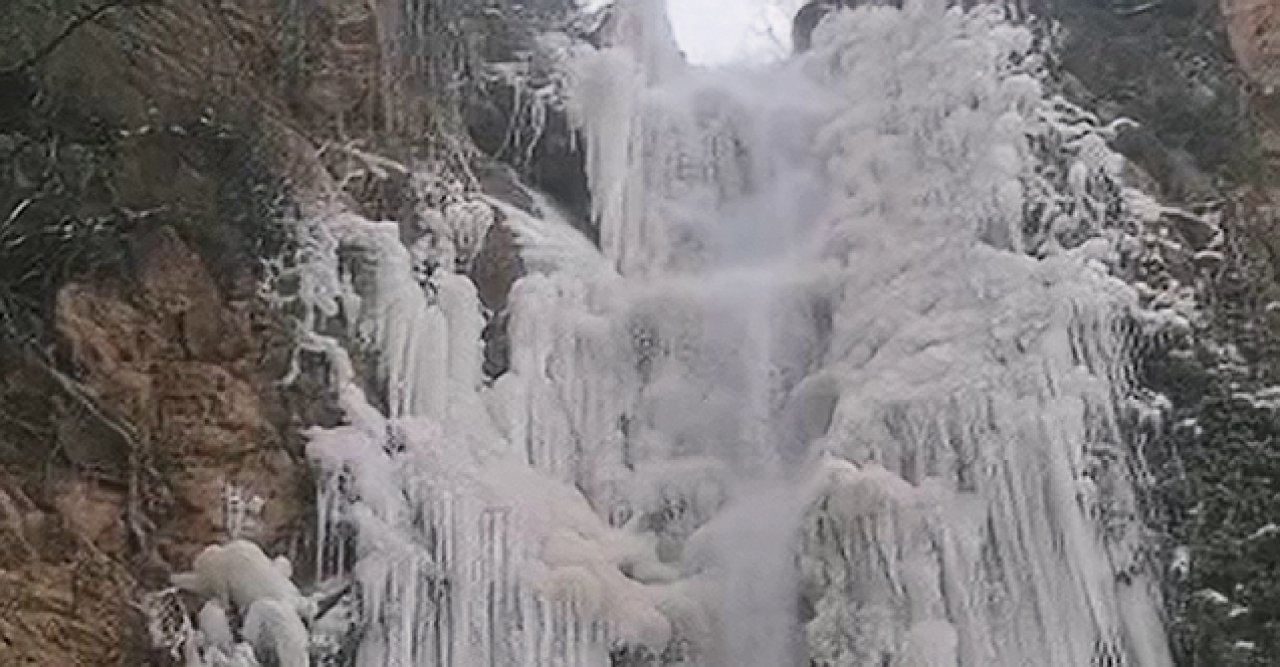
{"x": 1201, "y": 79}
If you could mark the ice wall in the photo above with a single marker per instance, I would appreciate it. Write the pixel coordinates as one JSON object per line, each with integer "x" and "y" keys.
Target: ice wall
{"x": 843, "y": 384}
{"x": 980, "y": 349}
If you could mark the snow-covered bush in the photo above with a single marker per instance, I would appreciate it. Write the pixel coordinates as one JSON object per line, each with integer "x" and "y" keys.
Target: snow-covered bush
{"x": 236, "y": 580}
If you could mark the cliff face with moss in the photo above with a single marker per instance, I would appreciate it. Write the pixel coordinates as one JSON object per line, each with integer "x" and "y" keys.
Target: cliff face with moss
{"x": 149, "y": 151}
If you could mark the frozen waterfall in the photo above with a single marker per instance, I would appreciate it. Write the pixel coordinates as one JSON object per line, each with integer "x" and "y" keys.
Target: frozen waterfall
{"x": 847, "y": 383}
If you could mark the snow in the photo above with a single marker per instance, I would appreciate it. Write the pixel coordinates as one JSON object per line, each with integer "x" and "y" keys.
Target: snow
{"x": 1181, "y": 565}
{"x": 1211, "y": 596}
{"x": 239, "y": 573}
{"x": 274, "y": 630}
{"x": 238, "y": 576}
{"x": 241, "y": 655}
{"x": 1264, "y": 532}
{"x": 212, "y": 621}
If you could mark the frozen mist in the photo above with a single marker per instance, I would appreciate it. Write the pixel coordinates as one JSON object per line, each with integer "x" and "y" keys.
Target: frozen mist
{"x": 846, "y": 383}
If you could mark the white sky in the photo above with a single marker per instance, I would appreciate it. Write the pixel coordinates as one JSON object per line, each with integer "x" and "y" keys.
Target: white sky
{"x": 721, "y": 31}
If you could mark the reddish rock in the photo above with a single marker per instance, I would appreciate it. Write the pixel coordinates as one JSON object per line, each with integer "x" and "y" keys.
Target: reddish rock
{"x": 164, "y": 390}
{"x": 63, "y": 601}
{"x": 166, "y": 398}
{"x": 1254, "y": 29}
{"x": 93, "y": 511}
{"x": 177, "y": 287}
{"x": 174, "y": 362}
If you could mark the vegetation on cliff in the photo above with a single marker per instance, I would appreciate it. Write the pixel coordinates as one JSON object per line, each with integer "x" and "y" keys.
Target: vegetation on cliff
{"x": 1198, "y": 84}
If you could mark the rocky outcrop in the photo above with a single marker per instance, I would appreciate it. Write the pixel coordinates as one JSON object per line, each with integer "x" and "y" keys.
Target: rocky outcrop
{"x": 1196, "y": 74}
{"x": 1167, "y": 67}
{"x": 516, "y": 115}
{"x": 64, "y": 598}
{"x": 189, "y": 373}
{"x": 494, "y": 271}
{"x": 116, "y": 472}
{"x": 137, "y": 368}
{"x": 1254, "y": 29}
{"x": 155, "y": 147}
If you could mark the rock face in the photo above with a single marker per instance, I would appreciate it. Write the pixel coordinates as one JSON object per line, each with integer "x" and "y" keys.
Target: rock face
{"x": 65, "y": 599}
{"x": 148, "y": 386}
{"x": 1254, "y": 29}
{"x": 154, "y": 147}
{"x": 167, "y": 402}
{"x": 184, "y": 369}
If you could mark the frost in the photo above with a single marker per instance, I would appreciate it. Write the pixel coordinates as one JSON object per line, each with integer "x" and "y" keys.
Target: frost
{"x": 1180, "y": 567}
{"x": 1263, "y": 399}
{"x": 1264, "y": 532}
{"x": 1209, "y": 258}
{"x": 241, "y": 511}
{"x": 168, "y": 625}
{"x": 241, "y": 655}
{"x": 1211, "y": 596}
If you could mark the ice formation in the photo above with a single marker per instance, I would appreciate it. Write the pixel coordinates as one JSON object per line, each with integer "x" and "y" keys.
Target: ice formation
{"x": 235, "y": 577}
{"x": 276, "y": 633}
{"x": 215, "y": 626}
{"x": 846, "y": 384}
{"x": 238, "y": 573}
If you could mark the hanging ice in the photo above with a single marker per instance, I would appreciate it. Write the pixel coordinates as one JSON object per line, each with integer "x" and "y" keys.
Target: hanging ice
{"x": 843, "y": 387}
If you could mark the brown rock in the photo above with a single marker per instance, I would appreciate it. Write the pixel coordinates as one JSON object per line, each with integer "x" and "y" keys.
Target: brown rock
{"x": 1254, "y": 29}
{"x": 175, "y": 364}
{"x": 164, "y": 391}
{"x": 62, "y": 601}
{"x": 497, "y": 266}
{"x": 207, "y": 412}
{"x": 181, "y": 291}
{"x": 103, "y": 333}
{"x": 494, "y": 271}
{"x": 93, "y": 511}
{"x": 169, "y": 397}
